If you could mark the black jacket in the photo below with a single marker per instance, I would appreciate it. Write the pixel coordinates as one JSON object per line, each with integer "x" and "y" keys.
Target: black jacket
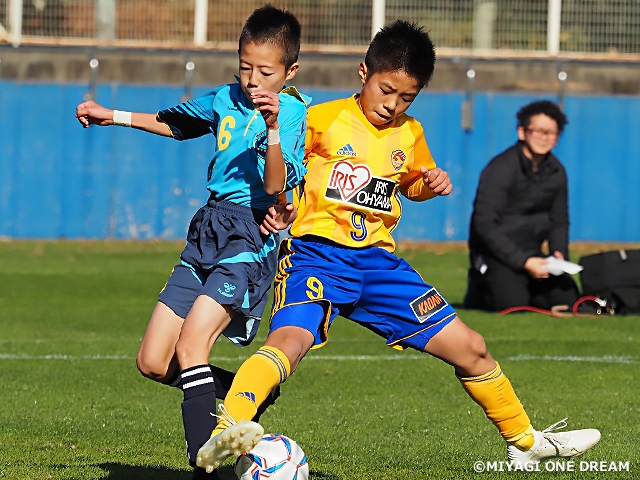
{"x": 515, "y": 209}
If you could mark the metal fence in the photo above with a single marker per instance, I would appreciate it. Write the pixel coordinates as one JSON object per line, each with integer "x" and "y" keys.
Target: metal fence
{"x": 494, "y": 26}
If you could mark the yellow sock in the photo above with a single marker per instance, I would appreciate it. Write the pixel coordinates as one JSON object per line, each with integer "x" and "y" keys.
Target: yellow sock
{"x": 494, "y": 393}
{"x": 256, "y": 377}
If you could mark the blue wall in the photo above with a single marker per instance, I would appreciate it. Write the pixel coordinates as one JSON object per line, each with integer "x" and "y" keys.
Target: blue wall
{"x": 58, "y": 180}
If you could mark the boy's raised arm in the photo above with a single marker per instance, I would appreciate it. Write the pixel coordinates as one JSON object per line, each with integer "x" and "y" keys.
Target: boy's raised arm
{"x": 268, "y": 104}
{"x": 91, "y": 113}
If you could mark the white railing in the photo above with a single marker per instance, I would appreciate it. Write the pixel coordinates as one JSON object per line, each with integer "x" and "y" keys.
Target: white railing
{"x": 550, "y": 26}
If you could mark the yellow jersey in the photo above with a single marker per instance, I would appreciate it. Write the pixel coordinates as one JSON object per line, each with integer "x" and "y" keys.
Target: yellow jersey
{"x": 355, "y": 174}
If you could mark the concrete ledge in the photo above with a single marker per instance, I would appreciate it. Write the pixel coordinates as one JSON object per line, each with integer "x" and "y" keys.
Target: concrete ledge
{"x": 595, "y": 74}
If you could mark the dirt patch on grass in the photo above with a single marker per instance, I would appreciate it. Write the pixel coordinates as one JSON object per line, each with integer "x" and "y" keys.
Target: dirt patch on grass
{"x": 577, "y": 249}
{"x": 586, "y": 248}
{"x": 433, "y": 247}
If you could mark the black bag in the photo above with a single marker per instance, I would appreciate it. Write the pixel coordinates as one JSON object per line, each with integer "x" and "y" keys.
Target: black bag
{"x": 615, "y": 277}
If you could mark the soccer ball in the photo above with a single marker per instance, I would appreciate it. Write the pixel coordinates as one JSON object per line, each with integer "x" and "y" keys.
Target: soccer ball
{"x": 275, "y": 457}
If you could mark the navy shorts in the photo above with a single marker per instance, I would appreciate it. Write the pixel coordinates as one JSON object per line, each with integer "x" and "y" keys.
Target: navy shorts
{"x": 370, "y": 286}
{"x": 227, "y": 259}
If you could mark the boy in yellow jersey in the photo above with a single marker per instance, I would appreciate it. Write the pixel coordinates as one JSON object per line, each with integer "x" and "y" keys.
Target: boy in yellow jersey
{"x": 361, "y": 153}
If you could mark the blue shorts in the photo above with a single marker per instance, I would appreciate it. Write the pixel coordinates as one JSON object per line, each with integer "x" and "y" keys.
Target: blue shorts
{"x": 369, "y": 286}
{"x": 227, "y": 259}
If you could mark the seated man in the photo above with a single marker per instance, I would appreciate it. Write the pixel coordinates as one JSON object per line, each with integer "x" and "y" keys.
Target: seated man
{"x": 521, "y": 202}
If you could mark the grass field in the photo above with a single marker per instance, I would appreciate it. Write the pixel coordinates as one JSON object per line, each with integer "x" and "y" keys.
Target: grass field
{"x": 73, "y": 406}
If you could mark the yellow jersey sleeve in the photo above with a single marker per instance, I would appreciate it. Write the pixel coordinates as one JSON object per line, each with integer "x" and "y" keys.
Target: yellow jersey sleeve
{"x": 412, "y": 186}
{"x": 356, "y": 173}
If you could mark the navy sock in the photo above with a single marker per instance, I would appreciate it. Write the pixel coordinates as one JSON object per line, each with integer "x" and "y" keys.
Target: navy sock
{"x": 174, "y": 380}
{"x": 199, "y": 403}
{"x": 222, "y": 379}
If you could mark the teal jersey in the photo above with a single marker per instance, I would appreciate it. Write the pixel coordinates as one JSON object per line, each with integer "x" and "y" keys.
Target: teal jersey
{"x": 236, "y": 171}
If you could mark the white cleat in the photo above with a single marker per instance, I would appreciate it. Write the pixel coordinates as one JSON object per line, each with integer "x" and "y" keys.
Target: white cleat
{"x": 553, "y": 445}
{"x": 235, "y": 440}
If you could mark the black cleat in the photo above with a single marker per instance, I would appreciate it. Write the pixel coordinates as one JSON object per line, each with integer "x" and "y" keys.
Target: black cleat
{"x": 201, "y": 474}
{"x": 271, "y": 399}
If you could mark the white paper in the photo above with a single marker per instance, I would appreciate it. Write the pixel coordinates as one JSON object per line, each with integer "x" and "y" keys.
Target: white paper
{"x": 555, "y": 266}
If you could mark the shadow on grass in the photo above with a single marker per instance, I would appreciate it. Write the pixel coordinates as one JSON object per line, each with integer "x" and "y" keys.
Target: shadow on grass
{"x": 314, "y": 474}
{"x": 118, "y": 471}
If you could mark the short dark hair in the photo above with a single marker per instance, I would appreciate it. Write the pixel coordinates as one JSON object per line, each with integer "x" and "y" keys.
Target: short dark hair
{"x": 271, "y": 25}
{"x": 402, "y": 46}
{"x": 546, "y": 107}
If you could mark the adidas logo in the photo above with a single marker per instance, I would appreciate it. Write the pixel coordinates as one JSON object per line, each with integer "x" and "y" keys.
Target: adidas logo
{"x": 248, "y": 395}
{"x": 347, "y": 150}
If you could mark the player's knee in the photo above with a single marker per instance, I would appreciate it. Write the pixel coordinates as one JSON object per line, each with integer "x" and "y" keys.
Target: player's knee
{"x": 151, "y": 368}
{"x": 477, "y": 360}
{"x": 477, "y": 345}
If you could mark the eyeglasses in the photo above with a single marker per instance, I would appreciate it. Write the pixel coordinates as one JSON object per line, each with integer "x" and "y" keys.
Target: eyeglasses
{"x": 542, "y": 133}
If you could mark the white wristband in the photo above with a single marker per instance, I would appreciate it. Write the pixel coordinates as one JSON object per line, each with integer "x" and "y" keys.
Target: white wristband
{"x": 122, "y": 118}
{"x": 273, "y": 136}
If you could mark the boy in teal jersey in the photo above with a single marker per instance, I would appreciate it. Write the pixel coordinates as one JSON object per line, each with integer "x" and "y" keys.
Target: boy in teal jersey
{"x": 222, "y": 281}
